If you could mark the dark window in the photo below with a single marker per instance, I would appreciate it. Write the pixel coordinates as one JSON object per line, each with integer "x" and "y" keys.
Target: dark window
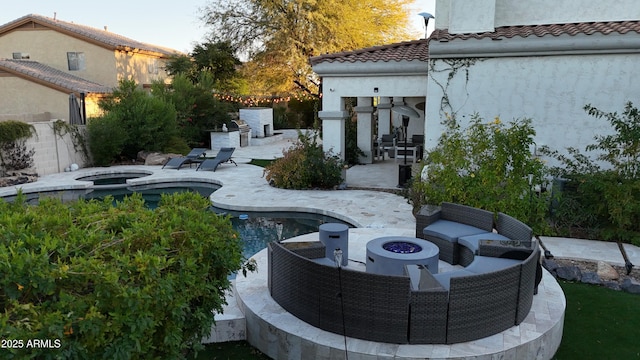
{"x": 75, "y": 60}
{"x": 152, "y": 66}
{"x": 20, "y": 56}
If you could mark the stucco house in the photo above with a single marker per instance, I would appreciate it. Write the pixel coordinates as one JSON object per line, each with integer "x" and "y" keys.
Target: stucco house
{"x": 43, "y": 60}
{"x": 539, "y": 59}
{"x": 52, "y": 69}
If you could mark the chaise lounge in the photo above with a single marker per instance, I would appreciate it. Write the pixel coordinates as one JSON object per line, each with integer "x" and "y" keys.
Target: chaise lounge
{"x": 194, "y": 156}
{"x": 224, "y": 155}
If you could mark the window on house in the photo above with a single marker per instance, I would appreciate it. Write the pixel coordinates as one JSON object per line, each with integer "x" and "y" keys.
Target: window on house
{"x": 152, "y": 66}
{"x": 20, "y": 56}
{"x": 75, "y": 60}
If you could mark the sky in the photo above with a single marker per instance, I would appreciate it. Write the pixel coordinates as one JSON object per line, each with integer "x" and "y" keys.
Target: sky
{"x": 172, "y": 24}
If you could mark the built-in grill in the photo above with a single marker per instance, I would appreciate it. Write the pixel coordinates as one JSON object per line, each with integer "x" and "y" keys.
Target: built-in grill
{"x": 243, "y": 129}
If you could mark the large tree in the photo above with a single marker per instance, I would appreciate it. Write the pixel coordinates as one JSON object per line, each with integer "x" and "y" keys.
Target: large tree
{"x": 217, "y": 59}
{"x": 279, "y": 36}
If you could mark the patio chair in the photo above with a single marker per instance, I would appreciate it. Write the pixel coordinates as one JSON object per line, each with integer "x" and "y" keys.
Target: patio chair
{"x": 388, "y": 141}
{"x": 194, "y": 156}
{"x": 224, "y": 155}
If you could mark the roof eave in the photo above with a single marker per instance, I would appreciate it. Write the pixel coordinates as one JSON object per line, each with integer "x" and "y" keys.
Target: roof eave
{"x": 564, "y": 44}
{"x": 49, "y": 84}
{"x": 403, "y": 67}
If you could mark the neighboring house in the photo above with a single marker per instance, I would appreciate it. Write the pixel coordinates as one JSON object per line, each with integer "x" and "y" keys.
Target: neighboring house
{"x": 29, "y": 88}
{"x": 52, "y": 69}
{"x": 538, "y": 59}
{"x": 43, "y": 60}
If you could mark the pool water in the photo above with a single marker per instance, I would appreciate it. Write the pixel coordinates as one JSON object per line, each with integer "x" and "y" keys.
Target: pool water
{"x": 261, "y": 228}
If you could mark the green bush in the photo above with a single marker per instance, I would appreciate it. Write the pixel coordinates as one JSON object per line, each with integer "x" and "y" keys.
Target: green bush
{"x": 197, "y": 110}
{"x": 486, "y": 165}
{"x": 596, "y": 201}
{"x": 106, "y": 139}
{"x": 13, "y": 151}
{"x": 305, "y": 165}
{"x": 113, "y": 282}
{"x": 145, "y": 123}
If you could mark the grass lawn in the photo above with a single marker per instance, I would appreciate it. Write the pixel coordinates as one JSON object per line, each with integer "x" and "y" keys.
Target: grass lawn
{"x": 233, "y": 350}
{"x": 599, "y": 323}
{"x": 260, "y": 162}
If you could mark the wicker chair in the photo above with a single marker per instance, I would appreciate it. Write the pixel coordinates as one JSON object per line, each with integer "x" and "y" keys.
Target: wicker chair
{"x": 528, "y": 284}
{"x": 513, "y": 228}
{"x": 289, "y": 271}
{"x": 482, "y": 305}
{"x": 472, "y": 221}
{"x": 428, "y": 309}
{"x": 376, "y": 307}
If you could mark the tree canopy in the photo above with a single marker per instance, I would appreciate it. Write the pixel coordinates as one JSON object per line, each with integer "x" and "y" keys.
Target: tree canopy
{"x": 279, "y": 36}
{"x": 217, "y": 59}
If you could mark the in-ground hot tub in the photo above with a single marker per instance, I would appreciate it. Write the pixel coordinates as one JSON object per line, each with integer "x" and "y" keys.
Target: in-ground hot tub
{"x": 111, "y": 179}
{"x": 388, "y": 255}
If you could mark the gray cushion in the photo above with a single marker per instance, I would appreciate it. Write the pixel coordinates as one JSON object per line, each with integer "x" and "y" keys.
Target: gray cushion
{"x": 485, "y": 264}
{"x": 473, "y": 241}
{"x": 445, "y": 278}
{"x": 451, "y": 230}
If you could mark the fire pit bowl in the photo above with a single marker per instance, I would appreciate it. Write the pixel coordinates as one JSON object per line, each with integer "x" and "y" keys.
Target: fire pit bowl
{"x": 389, "y": 254}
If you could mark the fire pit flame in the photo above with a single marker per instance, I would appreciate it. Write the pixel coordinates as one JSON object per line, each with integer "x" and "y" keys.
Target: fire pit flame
{"x": 402, "y": 247}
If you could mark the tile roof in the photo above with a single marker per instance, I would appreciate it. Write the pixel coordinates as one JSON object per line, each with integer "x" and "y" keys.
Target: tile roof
{"x": 572, "y": 29}
{"x": 419, "y": 50}
{"x": 34, "y": 70}
{"x": 403, "y": 51}
{"x": 99, "y": 36}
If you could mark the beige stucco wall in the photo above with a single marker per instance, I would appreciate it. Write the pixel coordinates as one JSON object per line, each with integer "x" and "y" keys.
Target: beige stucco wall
{"x": 103, "y": 66}
{"x": 24, "y": 98}
{"x": 135, "y": 66}
{"x": 50, "y": 48}
{"x": 19, "y": 96}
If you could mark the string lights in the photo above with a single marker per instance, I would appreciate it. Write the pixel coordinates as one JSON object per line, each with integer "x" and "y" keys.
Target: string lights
{"x": 256, "y": 100}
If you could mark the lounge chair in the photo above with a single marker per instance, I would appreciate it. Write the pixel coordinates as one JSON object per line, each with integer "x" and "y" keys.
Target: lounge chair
{"x": 224, "y": 155}
{"x": 194, "y": 156}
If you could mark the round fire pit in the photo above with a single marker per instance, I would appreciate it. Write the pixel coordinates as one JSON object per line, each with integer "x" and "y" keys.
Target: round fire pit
{"x": 388, "y": 255}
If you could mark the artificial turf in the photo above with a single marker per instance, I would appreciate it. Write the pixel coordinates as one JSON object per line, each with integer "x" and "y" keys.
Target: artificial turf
{"x": 599, "y": 323}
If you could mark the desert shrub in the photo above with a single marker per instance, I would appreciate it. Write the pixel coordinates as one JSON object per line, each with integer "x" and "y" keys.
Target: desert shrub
{"x": 305, "y": 165}
{"x": 485, "y": 165}
{"x": 177, "y": 145}
{"x": 281, "y": 118}
{"x": 302, "y": 112}
{"x": 197, "y": 110}
{"x": 601, "y": 187}
{"x": 14, "y": 154}
{"x": 113, "y": 282}
{"x": 106, "y": 139}
{"x": 145, "y": 122}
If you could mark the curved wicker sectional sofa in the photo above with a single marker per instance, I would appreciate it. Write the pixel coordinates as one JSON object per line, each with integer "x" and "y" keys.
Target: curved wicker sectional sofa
{"x": 490, "y": 295}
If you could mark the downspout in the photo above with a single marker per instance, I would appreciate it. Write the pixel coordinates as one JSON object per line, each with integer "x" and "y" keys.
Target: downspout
{"x": 84, "y": 108}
